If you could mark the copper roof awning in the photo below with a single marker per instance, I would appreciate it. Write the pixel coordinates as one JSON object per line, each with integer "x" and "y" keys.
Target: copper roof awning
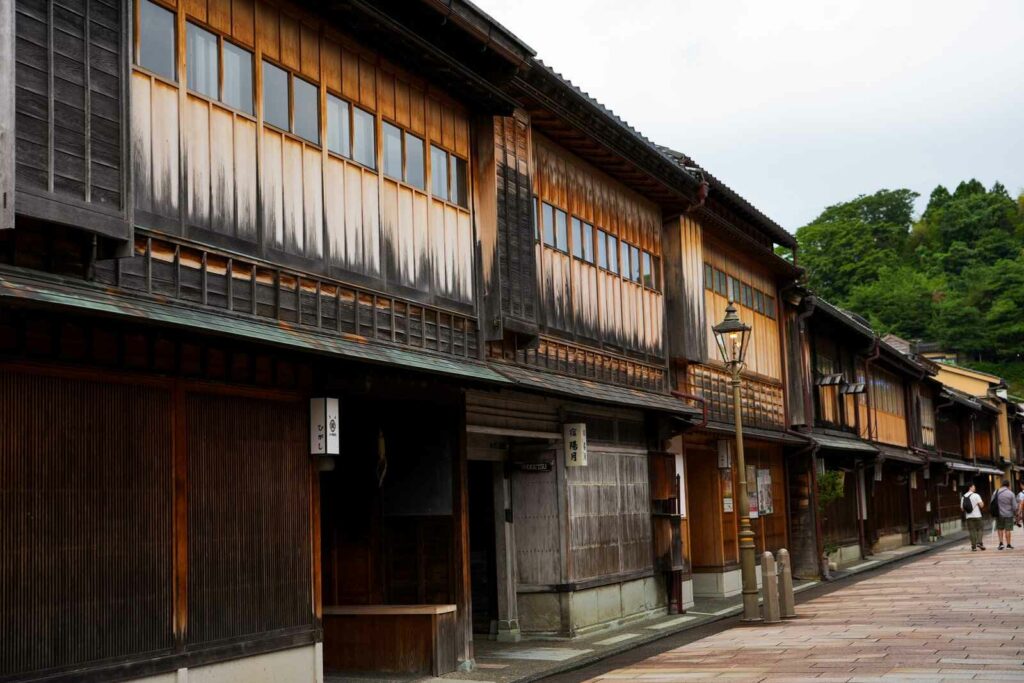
{"x": 843, "y": 443}
{"x": 589, "y": 390}
{"x": 901, "y": 455}
{"x": 62, "y": 293}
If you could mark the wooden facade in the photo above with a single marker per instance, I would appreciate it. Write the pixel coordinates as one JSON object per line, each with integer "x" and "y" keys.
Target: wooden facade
{"x": 313, "y": 194}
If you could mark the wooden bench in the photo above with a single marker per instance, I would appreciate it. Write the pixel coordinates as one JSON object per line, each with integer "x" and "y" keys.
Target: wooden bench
{"x": 390, "y": 638}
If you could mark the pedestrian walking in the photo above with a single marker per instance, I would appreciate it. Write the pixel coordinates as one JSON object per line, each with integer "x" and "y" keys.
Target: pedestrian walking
{"x": 1020, "y": 504}
{"x": 1004, "y": 509}
{"x": 972, "y": 507}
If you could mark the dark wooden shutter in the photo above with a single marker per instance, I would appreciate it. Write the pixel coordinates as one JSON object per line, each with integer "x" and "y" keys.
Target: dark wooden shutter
{"x": 71, "y": 62}
{"x": 249, "y": 533}
{"x": 85, "y": 518}
{"x": 516, "y": 255}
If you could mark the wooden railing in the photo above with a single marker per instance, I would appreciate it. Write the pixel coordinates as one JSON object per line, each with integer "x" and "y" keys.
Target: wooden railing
{"x": 762, "y": 402}
{"x": 201, "y": 277}
{"x": 583, "y": 362}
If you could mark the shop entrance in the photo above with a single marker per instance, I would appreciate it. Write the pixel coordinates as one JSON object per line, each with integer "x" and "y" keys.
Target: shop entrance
{"x": 483, "y": 571}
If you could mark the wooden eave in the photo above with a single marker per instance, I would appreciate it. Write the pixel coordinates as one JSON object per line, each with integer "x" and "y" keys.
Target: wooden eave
{"x": 764, "y": 254}
{"x": 575, "y": 121}
{"x": 424, "y": 41}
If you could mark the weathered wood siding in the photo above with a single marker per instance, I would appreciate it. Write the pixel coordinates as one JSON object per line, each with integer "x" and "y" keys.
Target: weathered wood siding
{"x": 764, "y": 353}
{"x": 685, "y": 300}
{"x": 7, "y": 114}
{"x": 220, "y": 175}
{"x": 579, "y": 298}
{"x": 609, "y": 514}
{"x": 71, "y": 113}
{"x": 505, "y": 214}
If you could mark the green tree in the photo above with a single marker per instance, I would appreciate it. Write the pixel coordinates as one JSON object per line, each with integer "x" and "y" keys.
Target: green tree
{"x": 850, "y": 243}
{"x": 955, "y": 276}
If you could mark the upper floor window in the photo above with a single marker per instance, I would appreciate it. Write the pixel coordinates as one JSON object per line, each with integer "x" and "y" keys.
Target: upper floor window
{"x": 201, "y": 62}
{"x": 275, "y": 96}
{"x": 157, "y": 37}
{"x": 459, "y": 191}
{"x": 651, "y": 265}
{"x": 709, "y": 277}
{"x": 439, "y": 173}
{"x": 299, "y": 113}
{"x": 237, "y": 86}
{"x": 556, "y": 230}
{"x": 582, "y": 240}
{"x": 339, "y": 126}
{"x": 613, "y": 254}
{"x": 403, "y": 156}
{"x": 306, "y": 110}
{"x": 224, "y": 75}
{"x": 364, "y": 138}
{"x": 634, "y": 264}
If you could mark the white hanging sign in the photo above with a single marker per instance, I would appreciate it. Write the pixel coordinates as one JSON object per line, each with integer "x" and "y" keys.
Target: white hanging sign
{"x": 574, "y": 437}
{"x": 324, "y": 435}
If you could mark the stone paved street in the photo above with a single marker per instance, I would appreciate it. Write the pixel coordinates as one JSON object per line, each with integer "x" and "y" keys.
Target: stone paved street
{"x": 950, "y": 615}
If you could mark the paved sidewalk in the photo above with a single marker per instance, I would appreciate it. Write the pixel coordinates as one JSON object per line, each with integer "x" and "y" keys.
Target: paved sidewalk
{"x": 950, "y": 615}
{"x": 531, "y": 660}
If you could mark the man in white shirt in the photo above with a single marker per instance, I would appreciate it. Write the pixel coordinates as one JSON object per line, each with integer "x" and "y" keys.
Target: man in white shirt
{"x": 973, "y": 517}
{"x": 1020, "y": 505}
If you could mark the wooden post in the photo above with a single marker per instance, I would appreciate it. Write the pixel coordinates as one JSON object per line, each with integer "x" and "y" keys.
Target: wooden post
{"x": 7, "y": 114}
{"x": 505, "y": 557}
{"x": 787, "y": 601}
{"x": 769, "y": 589}
{"x": 463, "y": 581}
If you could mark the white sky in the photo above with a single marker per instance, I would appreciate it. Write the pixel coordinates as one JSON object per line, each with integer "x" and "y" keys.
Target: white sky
{"x": 798, "y": 104}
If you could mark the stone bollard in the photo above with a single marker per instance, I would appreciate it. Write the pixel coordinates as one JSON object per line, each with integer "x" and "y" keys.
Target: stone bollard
{"x": 787, "y": 602}
{"x": 770, "y": 589}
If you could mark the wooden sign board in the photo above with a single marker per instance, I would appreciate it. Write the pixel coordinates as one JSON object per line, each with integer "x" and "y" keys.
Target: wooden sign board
{"x": 324, "y": 430}
{"x": 574, "y": 437}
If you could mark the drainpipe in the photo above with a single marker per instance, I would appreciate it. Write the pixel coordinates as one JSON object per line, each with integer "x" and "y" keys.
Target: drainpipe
{"x": 801, "y": 325}
{"x": 699, "y": 399}
{"x": 876, "y": 351}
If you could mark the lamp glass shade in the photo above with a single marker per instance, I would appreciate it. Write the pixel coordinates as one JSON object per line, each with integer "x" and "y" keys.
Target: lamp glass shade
{"x": 732, "y": 336}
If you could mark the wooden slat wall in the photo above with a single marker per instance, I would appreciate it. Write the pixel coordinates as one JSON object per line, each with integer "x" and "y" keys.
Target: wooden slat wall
{"x": 609, "y": 515}
{"x": 208, "y": 172}
{"x": 684, "y": 271}
{"x": 248, "y": 498}
{"x": 535, "y": 503}
{"x": 583, "y": 300}
{"x": 85, "y": 514}
{"x": 839, "y": 522}
{"x": 517, "y": 265}
{"x": 764, "y": 353}
{"x": 71, "y": 113}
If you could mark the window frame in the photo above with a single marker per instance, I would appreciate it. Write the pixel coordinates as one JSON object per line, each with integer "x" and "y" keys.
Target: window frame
{"x": 349, "y": 106}
{"x": 375, "y": 166}
{"x": 218, "y": 48}
{"x": 175, "y": 77}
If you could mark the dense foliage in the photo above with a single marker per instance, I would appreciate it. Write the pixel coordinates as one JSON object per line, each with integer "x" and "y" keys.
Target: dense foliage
{"x": 954, "y": 276}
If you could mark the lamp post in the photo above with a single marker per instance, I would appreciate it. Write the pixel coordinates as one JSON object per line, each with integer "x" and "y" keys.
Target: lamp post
{"x": 732, "y": 336}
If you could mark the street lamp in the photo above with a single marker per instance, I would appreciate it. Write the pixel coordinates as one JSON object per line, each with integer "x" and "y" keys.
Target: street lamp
{"x": 733, "y": 335}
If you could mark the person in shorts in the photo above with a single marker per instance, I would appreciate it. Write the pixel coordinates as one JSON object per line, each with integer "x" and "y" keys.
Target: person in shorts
{"x": 1004, "y": 509}
{"x": 973, "y": 517}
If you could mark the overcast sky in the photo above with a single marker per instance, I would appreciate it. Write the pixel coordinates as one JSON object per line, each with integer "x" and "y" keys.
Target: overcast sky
{"x": 802, "y": 103}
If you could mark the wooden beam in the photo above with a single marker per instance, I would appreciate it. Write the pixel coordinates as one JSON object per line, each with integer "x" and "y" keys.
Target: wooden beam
{"x": 7, "y": 114}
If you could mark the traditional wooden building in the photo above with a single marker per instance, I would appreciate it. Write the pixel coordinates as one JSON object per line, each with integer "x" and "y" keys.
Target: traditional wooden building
{"x": 869, "y": 409}
{"x": 719, "y": 251}
{"x": 975, "y": 425}
{"x": 216, "y": 211}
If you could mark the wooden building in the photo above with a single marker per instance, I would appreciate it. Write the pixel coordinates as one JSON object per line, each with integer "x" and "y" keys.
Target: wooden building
{"x": 215, "y": 211}
{"x": 870, "y": 411}
{"x": 719, "y": 251}
{"x": 975, "y": 425}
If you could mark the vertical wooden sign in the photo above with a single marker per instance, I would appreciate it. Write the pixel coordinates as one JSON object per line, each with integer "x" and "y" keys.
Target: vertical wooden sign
{"x": 574, "y": 437}
{"x": 324, "y": 434}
